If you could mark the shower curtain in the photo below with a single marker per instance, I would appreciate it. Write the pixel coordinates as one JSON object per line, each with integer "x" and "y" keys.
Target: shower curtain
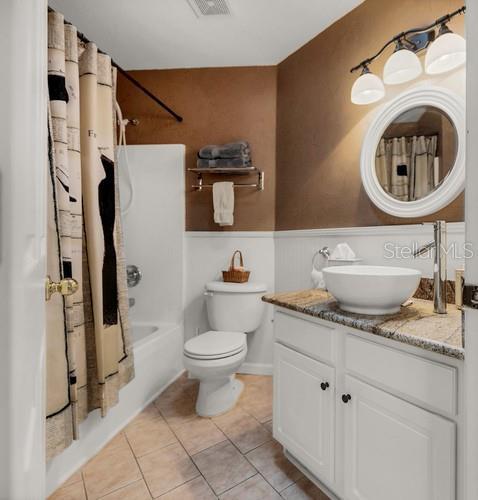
{"x": 405, "y": 166}
{"x": 89, "y": 356}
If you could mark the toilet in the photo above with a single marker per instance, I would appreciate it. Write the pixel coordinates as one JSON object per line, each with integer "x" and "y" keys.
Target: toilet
{"x": 233, "y": 310}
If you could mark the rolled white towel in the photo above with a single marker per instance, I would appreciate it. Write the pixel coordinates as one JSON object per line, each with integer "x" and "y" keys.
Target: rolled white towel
{"x": 342, "y": 251}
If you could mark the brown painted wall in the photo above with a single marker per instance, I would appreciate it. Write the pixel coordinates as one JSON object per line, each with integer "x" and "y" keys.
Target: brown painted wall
{"x": 219, "y": 105}
{"x": 320, "y": 131}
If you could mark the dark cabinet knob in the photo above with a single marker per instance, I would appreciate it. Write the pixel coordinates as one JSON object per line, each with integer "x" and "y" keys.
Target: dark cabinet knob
{"x": 324, "y": 386}
{"x": 346, "y": 398}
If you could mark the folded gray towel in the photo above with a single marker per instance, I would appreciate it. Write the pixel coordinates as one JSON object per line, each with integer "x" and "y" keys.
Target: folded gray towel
{"x": 239, "y": 149}
{"x": 224, "y": 163}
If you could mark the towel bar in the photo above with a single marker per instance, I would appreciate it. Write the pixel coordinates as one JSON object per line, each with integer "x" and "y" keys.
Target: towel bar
{"x": 259, "y": 185}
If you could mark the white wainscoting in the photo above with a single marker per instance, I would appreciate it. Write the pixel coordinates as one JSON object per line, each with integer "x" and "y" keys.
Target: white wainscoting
{"x": 282, "y": 260}
{"x": 206, "y": 254}
{"x": 294, "y": 249}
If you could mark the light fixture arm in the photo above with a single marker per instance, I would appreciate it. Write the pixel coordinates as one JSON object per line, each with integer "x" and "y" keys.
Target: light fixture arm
{"x": 403, "y": 36}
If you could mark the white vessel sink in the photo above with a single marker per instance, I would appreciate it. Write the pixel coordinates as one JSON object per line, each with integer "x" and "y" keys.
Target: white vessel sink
{"x": 371, "y": 289}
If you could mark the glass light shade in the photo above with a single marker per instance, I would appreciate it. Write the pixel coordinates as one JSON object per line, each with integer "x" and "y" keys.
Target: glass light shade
{"x": 447, "y": 52}
{"x": 368, "y": 88}
{"x": 402, "y": 66}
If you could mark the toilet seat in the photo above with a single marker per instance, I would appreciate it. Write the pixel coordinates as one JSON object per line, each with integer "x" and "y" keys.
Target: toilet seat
{"x": 215, "y": 345}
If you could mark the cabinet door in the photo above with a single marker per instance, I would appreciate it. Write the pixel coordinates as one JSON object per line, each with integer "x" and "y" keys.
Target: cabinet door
{"x": 304, "y": 410}
{"x": 395, "y": 450}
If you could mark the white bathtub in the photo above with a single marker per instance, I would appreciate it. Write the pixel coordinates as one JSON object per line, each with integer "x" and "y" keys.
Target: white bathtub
{"x": 148, "y": 332}
{"x": 158, "y": 349}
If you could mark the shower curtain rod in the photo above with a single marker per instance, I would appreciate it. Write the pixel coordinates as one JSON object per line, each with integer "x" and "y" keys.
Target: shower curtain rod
{"x": 135, "y": 82}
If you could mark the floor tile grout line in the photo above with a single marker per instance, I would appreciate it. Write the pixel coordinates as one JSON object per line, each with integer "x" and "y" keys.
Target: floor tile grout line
{"x": 124, "y": 485}
{"x": 84, "y": 486}
{"x": 240, "y": 452}
{"x": 242, "y": 482}
{"x": 191, "y": 395}
{"x": 209, "y": 447}
{"x": 191, "y": 457}
{"x": 139, "y": 466}
{"x": 265, "y": 478}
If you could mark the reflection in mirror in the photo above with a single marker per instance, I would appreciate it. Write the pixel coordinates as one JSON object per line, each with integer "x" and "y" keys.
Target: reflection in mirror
{"x": 415, "y": 153}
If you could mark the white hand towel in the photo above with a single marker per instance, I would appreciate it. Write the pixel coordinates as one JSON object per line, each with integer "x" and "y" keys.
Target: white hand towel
{"x": 223, "y": 200}
{"x": 342, "y": 251}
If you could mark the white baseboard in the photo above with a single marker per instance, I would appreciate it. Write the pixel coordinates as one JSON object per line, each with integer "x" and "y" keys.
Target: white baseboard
{"x": 256, "y": 369}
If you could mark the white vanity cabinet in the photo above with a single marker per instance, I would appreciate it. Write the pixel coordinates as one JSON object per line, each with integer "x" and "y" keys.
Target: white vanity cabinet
{"x": 304, "y": 409}
{"x": 395, "y": 450}
{"x": 365, "y": 419}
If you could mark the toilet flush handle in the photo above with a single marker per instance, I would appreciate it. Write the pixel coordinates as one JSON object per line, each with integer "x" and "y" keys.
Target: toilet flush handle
{"x": 208, "y": 294}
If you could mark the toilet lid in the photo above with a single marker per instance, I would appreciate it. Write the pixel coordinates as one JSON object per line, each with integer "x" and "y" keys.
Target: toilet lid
{"x": 249, "y": 287}
{"x": 213, "y": 345}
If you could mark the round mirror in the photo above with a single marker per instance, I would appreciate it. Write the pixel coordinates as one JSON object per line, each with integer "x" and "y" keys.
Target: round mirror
{"x": 413, "y": 154}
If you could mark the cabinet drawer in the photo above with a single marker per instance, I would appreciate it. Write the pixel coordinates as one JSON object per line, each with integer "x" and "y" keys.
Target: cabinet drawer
{"x": 428, "y": 382}
{"x": 306, "y": 336}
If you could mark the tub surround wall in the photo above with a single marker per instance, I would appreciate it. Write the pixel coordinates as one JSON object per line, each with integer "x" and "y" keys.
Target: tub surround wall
{"x": 319, "y": 130}
{"x": 218, "y": 105}
{"x": 154, "y": 230}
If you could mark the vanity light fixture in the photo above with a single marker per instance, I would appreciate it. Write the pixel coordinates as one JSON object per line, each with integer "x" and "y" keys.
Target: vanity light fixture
{"x": 368, "y": 88}
{"x": 445, "y": 53}
{"x": 402, "y": 66}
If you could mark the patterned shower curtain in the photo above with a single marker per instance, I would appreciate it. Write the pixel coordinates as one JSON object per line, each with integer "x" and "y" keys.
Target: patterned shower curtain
{"x": 89, "y": 355}
{"x": 405, "y": 166}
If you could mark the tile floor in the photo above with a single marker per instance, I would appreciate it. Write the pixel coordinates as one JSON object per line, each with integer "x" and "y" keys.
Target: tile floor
{"x": 168, "y": 452}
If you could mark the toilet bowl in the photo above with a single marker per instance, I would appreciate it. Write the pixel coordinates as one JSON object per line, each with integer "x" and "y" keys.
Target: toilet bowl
{"x": 213, "y": 358}
{"x": 234, "y": 309}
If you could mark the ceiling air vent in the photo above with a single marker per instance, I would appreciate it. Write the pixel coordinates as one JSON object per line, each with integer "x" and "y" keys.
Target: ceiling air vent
{"x": 210, "y": 7}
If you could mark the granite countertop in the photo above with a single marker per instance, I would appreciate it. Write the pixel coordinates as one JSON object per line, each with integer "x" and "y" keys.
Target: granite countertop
{"x": 416, "y": 324}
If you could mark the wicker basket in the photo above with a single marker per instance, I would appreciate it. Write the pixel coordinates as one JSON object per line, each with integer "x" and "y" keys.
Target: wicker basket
{"x": 236, "y": 274}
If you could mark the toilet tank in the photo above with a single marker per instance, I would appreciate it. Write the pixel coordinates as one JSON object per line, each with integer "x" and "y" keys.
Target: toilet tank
{"x": 234, "y": 307}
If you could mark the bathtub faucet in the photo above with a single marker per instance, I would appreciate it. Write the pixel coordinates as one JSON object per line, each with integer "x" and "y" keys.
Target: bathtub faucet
{"x": 133, "y": 275}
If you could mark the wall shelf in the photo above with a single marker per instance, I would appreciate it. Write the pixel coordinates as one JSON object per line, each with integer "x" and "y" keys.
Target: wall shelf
{"x": 228, "y": 171}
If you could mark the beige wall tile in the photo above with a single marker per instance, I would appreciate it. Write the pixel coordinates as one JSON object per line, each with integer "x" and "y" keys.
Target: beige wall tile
{"x": 270, "y": 461}
{"x": 167, "y": 469}
{"x": 223, "y": 466}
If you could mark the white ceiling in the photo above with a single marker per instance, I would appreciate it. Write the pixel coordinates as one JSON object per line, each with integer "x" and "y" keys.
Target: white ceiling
{"x": 160, "y": 34}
